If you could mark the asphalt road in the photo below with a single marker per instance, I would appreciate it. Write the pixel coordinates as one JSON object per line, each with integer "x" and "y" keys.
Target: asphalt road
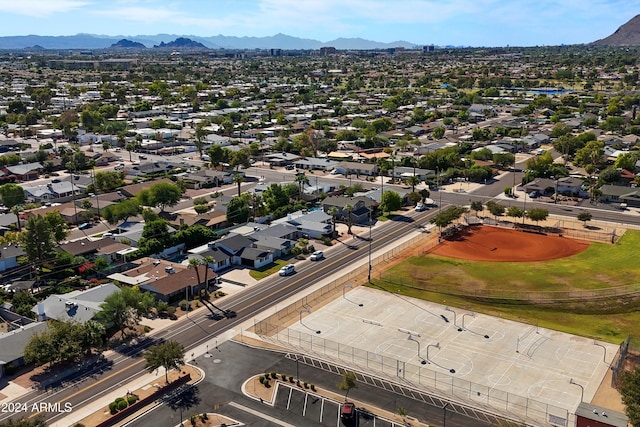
{"x": 247, "y": 303}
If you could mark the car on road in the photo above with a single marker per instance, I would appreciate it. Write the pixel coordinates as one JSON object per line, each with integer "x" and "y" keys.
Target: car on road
{"x": 142, "y": 157}
{"x": 287, "y": 270}
{"x": 85, "y": 225}
{"x": 289, "y": 167}
{"x": 534, "y": 194}
{"x": 420, "y": 207}
{"x": 316, "y": 256}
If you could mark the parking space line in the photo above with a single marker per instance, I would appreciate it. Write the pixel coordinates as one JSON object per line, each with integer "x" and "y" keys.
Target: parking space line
{"x": 289, "y": 398}
{"x": 260, "y": 414}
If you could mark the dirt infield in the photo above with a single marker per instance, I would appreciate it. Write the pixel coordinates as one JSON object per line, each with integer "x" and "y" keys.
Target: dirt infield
{"x": 486, "y": 243}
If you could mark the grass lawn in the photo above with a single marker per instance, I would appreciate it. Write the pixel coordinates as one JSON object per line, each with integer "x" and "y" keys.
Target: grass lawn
{"x": 600, "y": 266}
{"x": 268, "y": 270}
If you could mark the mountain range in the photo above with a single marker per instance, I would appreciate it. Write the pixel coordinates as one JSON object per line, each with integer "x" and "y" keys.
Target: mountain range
{"x": 278, "y": 41}
{"x": 627, "y": 35}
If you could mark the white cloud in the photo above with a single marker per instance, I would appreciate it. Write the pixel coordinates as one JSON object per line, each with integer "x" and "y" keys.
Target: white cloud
{"x": 40, "y": 8}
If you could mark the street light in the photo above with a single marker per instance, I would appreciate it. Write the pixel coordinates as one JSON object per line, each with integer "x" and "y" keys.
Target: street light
{"x": 571, "y": 381}
{"x": 444, "y": 414}
{"x": 370, "y": 239}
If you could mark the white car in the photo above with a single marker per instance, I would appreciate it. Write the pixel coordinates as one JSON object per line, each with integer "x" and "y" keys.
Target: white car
{"x": 287, "y": 270}
{"x": 316, "y": 256}
{"x": 420, "y": 207}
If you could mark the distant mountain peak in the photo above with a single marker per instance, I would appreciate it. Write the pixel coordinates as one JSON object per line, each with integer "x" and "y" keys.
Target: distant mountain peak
{"x": 127, "y": 44}
{"x": 626, "y": 35}
{"x": 182, "y": 43}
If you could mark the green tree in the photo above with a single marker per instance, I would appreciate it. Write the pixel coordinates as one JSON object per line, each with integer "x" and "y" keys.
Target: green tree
{"x": 630, "y": 391}
{"x": 537, "y": 214}
{"x": 438, "y": 132}
{"x": 38, "y": 238}
{"x": 106, "y": 181}
{"x": 168, "y": 355}
{"x": 391, "y": 201}
{"x": 348, "y": 208}
{"x": 347, "y": 383}
{"x": 515, "y": 212}
{"x": 124, "y": 308}
{"x": 504, "y": 160}
{"x": 477, "y": 206}
{"x": 121, "y": 211}
{"x": 12, "y": 195}
{"x": 333, "y": 211}
{"x": 495, "y": 208}
{"x": 25, "y": 422}
{"x": 200, "y": 136}
{"x": 275, "y": 197}
{"x": 584, "y": 216}
{"x": 624, "y": 161}
{"x": 238, "y": 178}
{"x": 238, "y": 210}
{"x": 164, "y": 194}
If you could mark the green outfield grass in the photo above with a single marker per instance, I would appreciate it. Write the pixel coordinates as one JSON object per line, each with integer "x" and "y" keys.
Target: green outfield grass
{"x": 600, "y": 266}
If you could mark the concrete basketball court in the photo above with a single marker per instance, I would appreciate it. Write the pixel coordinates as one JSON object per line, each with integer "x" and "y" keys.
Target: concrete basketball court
{"x": 517, "y": 359}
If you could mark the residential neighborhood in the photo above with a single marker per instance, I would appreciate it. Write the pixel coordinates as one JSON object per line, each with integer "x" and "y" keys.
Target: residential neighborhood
{"x": 148, "y": 186}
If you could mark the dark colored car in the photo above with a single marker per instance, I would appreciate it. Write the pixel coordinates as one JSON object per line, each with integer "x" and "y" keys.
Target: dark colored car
{"x": 85, "y": 225}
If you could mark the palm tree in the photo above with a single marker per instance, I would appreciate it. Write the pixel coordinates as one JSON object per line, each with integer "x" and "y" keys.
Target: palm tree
{"x": 333, "y": 211}
{"x": 348, "y": 208}
{"x": 301, "y": 179}
{"x": 195, "y": 263}
{"x": 130, "y": 146}
{"x": 206, "y": 261}
{"x": 201, "y": 133}
{"x": 413, "y": 181}
{"x": 238, "y": 178}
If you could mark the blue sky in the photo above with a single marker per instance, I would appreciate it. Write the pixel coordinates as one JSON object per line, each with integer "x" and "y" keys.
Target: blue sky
{"x": 440, "y": 22}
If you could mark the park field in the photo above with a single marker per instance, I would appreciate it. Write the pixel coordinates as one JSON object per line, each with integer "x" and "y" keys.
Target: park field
{"x": 458, "y": 282}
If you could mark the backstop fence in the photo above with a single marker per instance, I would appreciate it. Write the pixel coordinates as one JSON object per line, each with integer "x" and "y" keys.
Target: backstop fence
{"x": 501, "y": 295}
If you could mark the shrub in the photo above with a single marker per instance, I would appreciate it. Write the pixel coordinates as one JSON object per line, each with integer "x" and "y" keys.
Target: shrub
{"x": 274, "y": 375}
{"x": 290, "y": 378}
{"x": 131, "y": 399}
{"x": 262, "y": 379}
{"x": 171, "y": 310}
{"x": 146, "y": 329}
{"x": 313, "y": 387}
{"x": 200, "y": 209}
{"x": 267, "y": 384}
{"x": 122, "y": 404}
{"x": 193, "y": 419}
{"x": 306, "y": 384}
{"x": 284, "y": 377}
{"x": 113, "y": 407}
{"x": 184, "y": 305}
{"x": 200, "y": 201}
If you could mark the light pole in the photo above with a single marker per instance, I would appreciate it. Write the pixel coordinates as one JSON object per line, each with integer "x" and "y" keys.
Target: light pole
{"x": 436, "y": 345}
{"x": 467, "y": 314}
{"x": 571, "y": 381}
{"x": 186, "y": 291}
{"x": 444, "y": 414}
{"x": 424, "y": 362}
{"x": 370, "y": 239}
{"x": 455, "y": 316}
{"x": 306, "y": 310}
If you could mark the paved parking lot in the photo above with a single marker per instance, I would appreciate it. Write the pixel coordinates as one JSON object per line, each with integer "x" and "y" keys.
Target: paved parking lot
{"x": 321, "y": 410}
